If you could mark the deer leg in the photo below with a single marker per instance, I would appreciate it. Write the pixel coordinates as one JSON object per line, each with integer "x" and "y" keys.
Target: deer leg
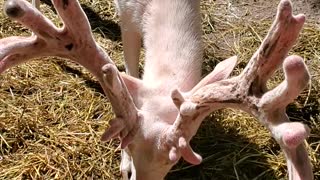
{"x": 36, "y": 3}
{"x": 131, "y": 39}
{"x": 125, "y": 165}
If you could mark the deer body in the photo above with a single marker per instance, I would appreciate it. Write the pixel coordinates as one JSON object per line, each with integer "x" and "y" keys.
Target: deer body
{"x": 171, "y": 34}
{"x": 156, "y": 116}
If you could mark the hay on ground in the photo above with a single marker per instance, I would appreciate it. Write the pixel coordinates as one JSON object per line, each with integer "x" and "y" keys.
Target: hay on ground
{"x": 52, "y": 112}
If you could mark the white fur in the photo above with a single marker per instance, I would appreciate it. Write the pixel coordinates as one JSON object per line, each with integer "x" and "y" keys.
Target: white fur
{"x": 171, "y": 33}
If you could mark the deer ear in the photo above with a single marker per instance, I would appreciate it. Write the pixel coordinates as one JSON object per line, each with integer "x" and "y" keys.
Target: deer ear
{"x": 220, "y": 72}
{"x": 223, "y": 69}
{"x": 132, "y": 83}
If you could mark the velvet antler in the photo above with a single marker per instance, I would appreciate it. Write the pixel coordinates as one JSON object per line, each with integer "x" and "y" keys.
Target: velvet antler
{"x": 73, "y": 41}
{"x": 248, "y": 92}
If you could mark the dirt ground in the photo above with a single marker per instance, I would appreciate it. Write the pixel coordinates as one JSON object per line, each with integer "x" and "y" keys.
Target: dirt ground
{"x": 47, "y": 130}
{"x": 260, "y": 9}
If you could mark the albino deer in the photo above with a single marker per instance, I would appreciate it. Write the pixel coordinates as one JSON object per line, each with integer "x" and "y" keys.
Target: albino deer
{"x": 157, "y": 116}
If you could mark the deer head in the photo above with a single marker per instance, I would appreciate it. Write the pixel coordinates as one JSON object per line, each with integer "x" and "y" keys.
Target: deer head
{"x": 156, "y": 116}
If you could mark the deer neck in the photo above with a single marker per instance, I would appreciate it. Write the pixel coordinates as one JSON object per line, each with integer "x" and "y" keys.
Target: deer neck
{"x": 172, "y": 38}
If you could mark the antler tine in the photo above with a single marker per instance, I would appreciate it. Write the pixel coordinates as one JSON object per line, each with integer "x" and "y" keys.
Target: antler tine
{"x": 248, "y": 92}
{"x": 15, "y": 50}
{"x": 296, "y": 79}
{"x": 276, "y": 44}
{"x": 75, "y": 42}
{"x": 127, "y": 117}
{"x": 27, "y": 15}
{"x": 74, "y": 18}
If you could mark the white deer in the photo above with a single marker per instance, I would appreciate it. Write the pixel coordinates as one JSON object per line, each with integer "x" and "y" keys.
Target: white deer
{"x": 157, "y": 116}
